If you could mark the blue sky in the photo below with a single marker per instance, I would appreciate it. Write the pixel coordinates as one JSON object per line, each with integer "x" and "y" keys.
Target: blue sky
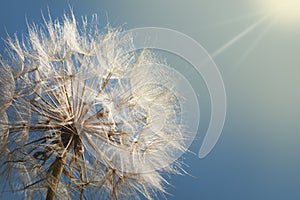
{"x": 258, "y": 154}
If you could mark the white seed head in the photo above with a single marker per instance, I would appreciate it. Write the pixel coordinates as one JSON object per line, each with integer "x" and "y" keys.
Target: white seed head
{"x": 76, "y": 99}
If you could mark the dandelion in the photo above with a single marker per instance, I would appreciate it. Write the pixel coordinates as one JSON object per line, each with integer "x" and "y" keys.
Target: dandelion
{"x": 82, "y": 117}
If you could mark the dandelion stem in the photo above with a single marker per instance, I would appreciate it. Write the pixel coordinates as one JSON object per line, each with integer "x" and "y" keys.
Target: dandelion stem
{"x": 58, "y": 167}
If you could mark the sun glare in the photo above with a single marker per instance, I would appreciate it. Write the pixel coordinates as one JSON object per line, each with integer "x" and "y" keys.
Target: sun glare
{"x": 283, "y": 11}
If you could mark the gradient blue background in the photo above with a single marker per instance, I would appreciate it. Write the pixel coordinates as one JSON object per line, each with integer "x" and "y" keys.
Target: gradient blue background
{"x": 258, "y": 154}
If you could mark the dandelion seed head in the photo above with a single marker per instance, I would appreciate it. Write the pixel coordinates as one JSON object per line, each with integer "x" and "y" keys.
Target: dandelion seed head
{"x": 81, "y": 113}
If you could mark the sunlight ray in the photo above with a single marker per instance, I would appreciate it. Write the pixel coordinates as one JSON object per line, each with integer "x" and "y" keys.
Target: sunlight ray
{"x": 238, "y": 19}
{"x": 238, "y": 37}
{"x": 253, "y": 45}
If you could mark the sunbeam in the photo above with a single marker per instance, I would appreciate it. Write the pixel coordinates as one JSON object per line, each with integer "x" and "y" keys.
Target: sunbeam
{"x": 255, "y": 43}
{"x": 238, "y": 37}
{"x": 238, "y": 19}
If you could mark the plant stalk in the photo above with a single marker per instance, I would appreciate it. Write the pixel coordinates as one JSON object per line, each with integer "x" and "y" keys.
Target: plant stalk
{"x": 58, "y": 167}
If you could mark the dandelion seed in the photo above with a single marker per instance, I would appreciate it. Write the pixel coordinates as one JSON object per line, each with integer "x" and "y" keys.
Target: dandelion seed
{"x": 81, "y": 117}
